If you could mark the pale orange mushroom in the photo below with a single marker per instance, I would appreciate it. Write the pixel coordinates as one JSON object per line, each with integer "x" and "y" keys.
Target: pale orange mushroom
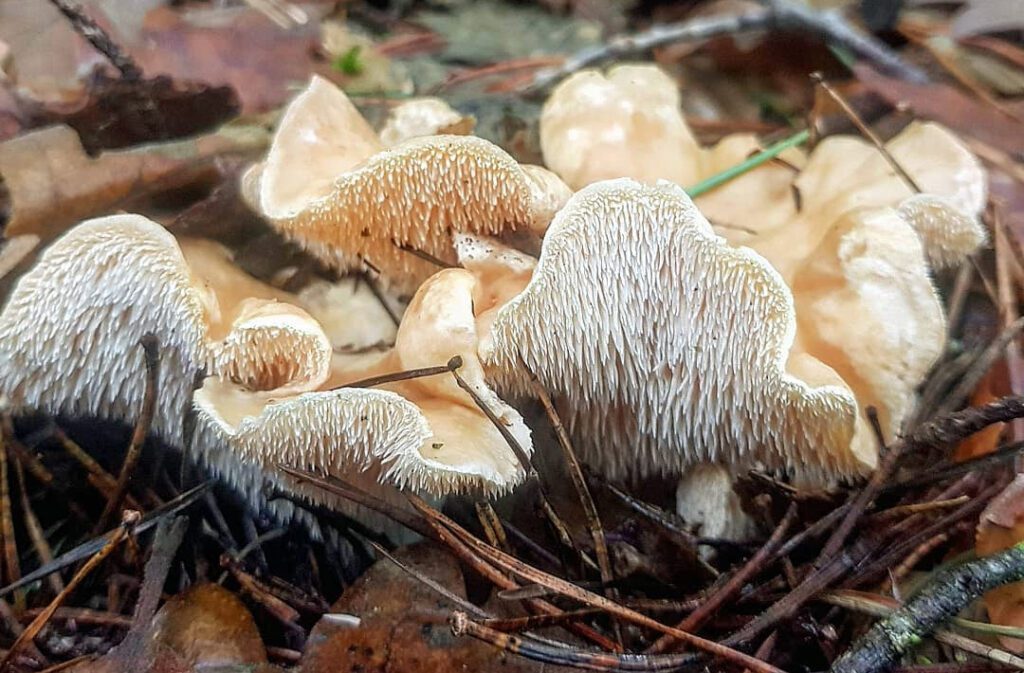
{"x": 330, "y": 184}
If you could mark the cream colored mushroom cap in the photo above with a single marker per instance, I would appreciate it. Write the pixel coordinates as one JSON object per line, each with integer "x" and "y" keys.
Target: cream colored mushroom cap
{"x": 274, "y": 346}
{"x": 627, "y": 122}
{"x": 425, "y": 434}
{"x": 866, "y": 305}
{"x": 847, "y": 172}
{"x": 418, "y": 117}
{"x": 668, "y": 346}
{"x": 70, "y": 331}
{"x": 329, "y": 184}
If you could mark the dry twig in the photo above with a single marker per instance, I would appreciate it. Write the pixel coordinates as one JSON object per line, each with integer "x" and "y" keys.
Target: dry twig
{"x": 782, "y": 15}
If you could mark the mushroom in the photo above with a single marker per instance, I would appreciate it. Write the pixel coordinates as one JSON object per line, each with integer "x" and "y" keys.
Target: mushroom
{"x": 422, "y": 117}
{"x": 628, "y": 124}
{"x": 425, "y": 434}
{"x": 68, "y": 340}
{"x": 70, "y": 330}
{"x": 672, "y": 350}
{"x": 330, "y": 184}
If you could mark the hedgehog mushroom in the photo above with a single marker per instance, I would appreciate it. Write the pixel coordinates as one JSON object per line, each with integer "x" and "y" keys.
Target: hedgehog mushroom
{"x": 691, "y": 353}
{"x": 596, "y": 126}
{"x": 330, "y": 184}
{"x": 70, "y": 330}
{"x": 426, "y": 433}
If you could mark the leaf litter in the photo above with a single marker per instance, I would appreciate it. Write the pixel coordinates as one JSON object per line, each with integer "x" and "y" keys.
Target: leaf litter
{"x": 245, "y": 593}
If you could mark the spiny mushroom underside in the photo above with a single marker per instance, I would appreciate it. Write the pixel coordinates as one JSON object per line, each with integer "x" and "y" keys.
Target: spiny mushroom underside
{"x": 273, "y": 346}
{"x": 333, "y": 433}
{"x": 952, "y": 234}
{"x": 70, "y": 332}
{"x": 667, "y": 346}
{"x": 413, "y": 195}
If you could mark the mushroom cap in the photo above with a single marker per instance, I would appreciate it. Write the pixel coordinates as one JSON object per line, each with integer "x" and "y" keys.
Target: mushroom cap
{"x": 624, "y": 124}
{"x": 70, "y": 331}
{"x": 425, "y": 434}
{"x": 628, "y": 124}
{"x": 418, "y": 117}
{"x": 669, "y": 347}
{"x": 329, "y": 184}
{"x": 274, "y": 346}
{"x": 866, "y": 306}
{"x": 69, "y": 337}
{"x": 847, "y": 172}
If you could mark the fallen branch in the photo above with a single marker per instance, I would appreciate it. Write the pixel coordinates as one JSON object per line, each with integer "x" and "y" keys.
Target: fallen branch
{"x": 947, "y": 594}
{"x": 782, "y": 15}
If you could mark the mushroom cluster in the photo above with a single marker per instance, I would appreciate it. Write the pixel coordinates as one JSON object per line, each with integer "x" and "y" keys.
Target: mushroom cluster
{"x": 672, "y": 349}
{"x": 274, "y": 386}
{"x": 331, "y": 184}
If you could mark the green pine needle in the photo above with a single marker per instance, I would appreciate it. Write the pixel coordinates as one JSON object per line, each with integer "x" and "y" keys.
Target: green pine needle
{"x": 753, "y": 162}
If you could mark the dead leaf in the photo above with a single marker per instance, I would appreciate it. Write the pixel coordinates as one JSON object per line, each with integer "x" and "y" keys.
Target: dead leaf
{"x": 203, "y": 629}
{"x": 237, "y": 47}
{"x": 209, "y": 626}
{"x": 1001, "y": 526}
{"x": 113, "y": 112}
{"x": 402, "y": 625}
{"x": 991, "y": 388}
{"x": 947, "y": 105}
{"x": 51, "y": 183}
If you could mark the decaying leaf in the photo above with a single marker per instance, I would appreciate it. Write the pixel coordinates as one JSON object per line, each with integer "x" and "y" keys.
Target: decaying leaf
{"x": 1001, "y": 526}
{"x": 52, "y": 183}
{"x": 204, "y": 46}
{"x": 205, "y": 628}
{"x": 949, "y": 106}
{"x": 390, "y": 622}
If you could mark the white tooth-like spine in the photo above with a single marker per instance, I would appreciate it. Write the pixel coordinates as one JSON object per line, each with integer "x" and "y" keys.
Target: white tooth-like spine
{"x": 667, "y": 345}
{"x": 70, "y": 331}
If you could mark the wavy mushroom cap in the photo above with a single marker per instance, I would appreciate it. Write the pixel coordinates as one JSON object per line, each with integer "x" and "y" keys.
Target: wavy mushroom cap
{"x": 69, "y": 335}
{"x": 846, "y": 172}
{"x": 782, "y": 208}
{"x": 70, "y": 331}
{"x": 329, "y": 184}
{"x": 274, "y": 346}
{"x": 866, "y": 306}
{"x": 426, "y": 434}
{"x": 419, "y": 117}
{"x": 669, "y": 347}
{"x": 624, "y": 124}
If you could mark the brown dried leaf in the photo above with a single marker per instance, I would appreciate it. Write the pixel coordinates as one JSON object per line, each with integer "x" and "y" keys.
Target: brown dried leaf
{"x": 113, "y": 112}
{"x": 209, "y": 626}
{"x": 403, "y": 625}
{"x": 51, "y": 183}
{"x": 949, "y": 106}
{"x": 205, "y": 628}
{"x": 237, "y": 47}
{"x": 991, "y": 388}
{"x": 1002, "y": 526}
